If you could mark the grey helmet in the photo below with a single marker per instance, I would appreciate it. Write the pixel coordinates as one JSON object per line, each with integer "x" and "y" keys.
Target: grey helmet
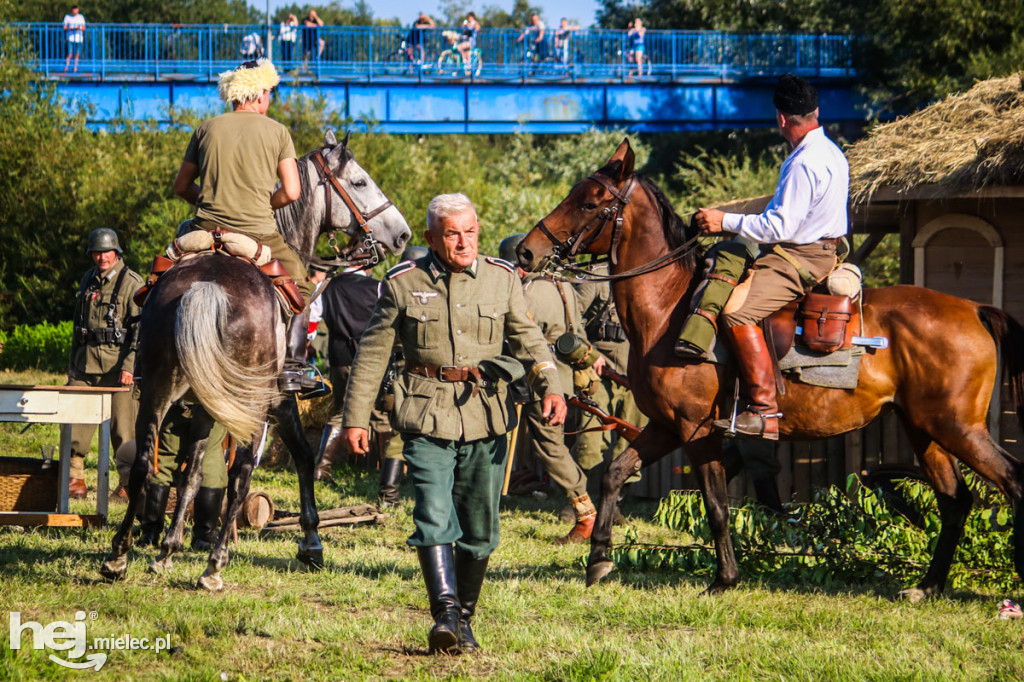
{"x": 414, "y": 252}
{"x": 508, "y": 245}
{"x": 103, "y": 239}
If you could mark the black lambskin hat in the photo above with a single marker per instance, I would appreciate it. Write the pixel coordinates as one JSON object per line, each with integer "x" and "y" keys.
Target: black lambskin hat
{"x": 795, "y": 96}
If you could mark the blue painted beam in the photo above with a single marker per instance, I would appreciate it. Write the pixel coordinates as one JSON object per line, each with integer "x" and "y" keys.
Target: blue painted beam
{"x": 483, "y": 107}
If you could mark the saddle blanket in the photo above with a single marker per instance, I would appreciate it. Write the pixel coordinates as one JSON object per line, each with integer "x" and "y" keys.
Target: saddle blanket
{"x": 828, "y": 370}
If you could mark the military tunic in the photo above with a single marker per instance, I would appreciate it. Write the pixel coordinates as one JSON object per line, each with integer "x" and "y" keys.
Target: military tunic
{"x": 98, "y": 358}
{"x": 453, "y": 432}
{"x": 604, "y": 332}
{"x": 555, "y": 316}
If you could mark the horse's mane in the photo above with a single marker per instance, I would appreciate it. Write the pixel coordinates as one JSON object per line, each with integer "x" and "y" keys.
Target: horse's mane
{"x": 291, "y": 220}
{"x": 675, "y": 229}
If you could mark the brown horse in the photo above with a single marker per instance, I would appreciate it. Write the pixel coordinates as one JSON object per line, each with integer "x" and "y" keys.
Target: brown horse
{"x": 938, "y": 371}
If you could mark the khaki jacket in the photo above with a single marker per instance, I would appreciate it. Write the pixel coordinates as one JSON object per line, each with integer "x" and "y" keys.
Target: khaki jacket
{"x": 444, "y": 318}
{"x": 593, "y": 298}
{"x": 90, "y": 356}
{"x": 549, "y": 312}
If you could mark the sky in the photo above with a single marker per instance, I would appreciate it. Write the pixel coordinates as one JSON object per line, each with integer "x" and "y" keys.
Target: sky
{"x": 581, "y": 11}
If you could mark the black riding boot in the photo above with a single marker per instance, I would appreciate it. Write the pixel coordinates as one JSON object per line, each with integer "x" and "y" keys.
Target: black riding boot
{"x": 469, "y": 577}
{"x": 206, "y": 518}
{"x": 438, "y": 565}
{"x": 152, "y": 517}
{"x": 330, "y": 442}
{"x": 390, "y": 479}
{"x": 293, "y": 377}
{"x": 767, "y": 491}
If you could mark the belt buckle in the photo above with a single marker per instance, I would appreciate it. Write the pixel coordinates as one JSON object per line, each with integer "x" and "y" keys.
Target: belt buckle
{"x": 443, "y": 368}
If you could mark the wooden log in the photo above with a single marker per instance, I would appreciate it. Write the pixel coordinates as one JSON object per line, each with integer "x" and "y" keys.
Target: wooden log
{"x": 290, "y": 525}
{"x": 257, "y": 510}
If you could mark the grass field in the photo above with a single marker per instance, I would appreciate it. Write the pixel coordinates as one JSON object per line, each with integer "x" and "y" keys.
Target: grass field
{"x": 365, "y": 616}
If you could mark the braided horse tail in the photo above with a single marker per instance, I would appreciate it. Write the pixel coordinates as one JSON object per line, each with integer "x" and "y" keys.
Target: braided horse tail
{"x": 233, "y": 394}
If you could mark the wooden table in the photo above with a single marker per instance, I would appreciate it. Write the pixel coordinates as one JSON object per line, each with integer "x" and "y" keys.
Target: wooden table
{"x": 64, "y": 405}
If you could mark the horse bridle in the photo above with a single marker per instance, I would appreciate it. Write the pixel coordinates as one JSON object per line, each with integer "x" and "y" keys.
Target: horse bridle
{"x": 369, "y": 245}
{"x": 565, "y": 252}
{"x": 611, "y": 213}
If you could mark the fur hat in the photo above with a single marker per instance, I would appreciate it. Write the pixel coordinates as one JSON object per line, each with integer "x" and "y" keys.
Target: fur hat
{"x": 248, "y": 81}
{"x": 795, "y": 96}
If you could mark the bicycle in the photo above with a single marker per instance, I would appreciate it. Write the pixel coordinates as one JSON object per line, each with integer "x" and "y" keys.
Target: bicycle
{"x": 451, "y": 63}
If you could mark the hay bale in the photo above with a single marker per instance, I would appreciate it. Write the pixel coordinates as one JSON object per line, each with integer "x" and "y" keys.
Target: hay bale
{"x": 965, "y": 142}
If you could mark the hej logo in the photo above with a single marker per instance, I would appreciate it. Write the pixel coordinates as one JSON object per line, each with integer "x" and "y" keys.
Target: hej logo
{"x": 59, "y": 636}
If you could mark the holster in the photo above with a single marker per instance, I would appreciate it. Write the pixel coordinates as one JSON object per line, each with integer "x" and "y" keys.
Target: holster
{"x": 285, "y": 285}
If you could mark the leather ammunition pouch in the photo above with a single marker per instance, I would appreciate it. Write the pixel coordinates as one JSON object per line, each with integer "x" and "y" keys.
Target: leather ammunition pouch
{"x": 824, "y": 319}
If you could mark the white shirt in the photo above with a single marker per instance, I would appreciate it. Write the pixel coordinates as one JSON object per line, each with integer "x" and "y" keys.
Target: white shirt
{"x": 74, "y": 24}
{"x": 288, "y": 32}
{"x": 810, "y": 199}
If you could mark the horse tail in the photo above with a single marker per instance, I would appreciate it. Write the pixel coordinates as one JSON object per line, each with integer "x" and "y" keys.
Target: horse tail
{"x": 234, "y": 394}
{"x": 1009, "y": 334}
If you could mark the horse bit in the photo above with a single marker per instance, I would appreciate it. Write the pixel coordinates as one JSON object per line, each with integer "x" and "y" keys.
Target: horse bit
{"x": 369, "y": 245}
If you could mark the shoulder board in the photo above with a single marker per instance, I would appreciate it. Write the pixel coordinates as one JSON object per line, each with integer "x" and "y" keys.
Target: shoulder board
{"x": 404, "y": 266}
{"x": 136, "y": 276}
{"x": 501, "y": 263}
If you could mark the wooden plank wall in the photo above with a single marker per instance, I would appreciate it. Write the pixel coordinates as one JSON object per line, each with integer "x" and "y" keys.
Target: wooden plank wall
{"x": 805, "y": 464}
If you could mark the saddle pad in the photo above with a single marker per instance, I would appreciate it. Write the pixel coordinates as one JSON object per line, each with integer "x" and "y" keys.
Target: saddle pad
{"x": 234, "y": 244}
{"x": 831, "y": 370}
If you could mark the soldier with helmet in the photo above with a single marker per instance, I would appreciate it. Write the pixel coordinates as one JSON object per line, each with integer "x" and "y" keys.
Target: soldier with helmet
{"x": 103, "y": 345}
{"x": 553, "y": 307}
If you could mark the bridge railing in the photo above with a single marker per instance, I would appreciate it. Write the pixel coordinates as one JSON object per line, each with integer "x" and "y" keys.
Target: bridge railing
{"x": 360, "y": 53}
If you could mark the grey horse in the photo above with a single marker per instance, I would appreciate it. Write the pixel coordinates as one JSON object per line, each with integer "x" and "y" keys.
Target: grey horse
{"x": 212, "y": 328}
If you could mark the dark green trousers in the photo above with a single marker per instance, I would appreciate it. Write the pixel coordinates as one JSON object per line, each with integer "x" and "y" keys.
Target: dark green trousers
{"x": 458, "y": 489}
{"x": 174, "y": 446}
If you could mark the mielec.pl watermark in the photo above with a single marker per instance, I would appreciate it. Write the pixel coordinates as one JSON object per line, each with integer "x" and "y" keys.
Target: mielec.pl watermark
{"x": 71, "y": 638}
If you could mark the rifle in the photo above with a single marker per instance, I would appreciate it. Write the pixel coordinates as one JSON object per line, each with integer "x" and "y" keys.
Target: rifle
{"x": 609, "y": 373}
{"x": 620, "y": 426}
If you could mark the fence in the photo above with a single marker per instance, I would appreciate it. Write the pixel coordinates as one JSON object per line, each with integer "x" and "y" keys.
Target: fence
{"x": 362, "y": 53}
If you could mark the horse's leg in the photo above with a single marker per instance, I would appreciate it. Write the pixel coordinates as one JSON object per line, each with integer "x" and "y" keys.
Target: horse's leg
{"x": 653, "y": 443}
{"x": 199, "y": 433}
{"x": 706, "y": 458}
{"x": 147, "y": 430}
{"x": 289, "y": 426}
{"x": 239, "y": 478}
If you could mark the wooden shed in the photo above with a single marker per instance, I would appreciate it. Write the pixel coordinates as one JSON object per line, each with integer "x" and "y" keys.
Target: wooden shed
{"x": 949, "y": 180}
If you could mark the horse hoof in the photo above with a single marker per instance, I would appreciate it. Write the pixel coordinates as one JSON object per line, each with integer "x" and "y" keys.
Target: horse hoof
{"x": 314, "y": 558}
{"x": 114, "y": 569}
{"x": 913, "y": 594}
{"x": 159, "y": 565}
{"x": 210, "y": 583}
{"x": 597, "y": 572}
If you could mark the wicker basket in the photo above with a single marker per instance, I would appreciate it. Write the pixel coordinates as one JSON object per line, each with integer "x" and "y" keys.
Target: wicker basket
{"x": 26, "y": 486}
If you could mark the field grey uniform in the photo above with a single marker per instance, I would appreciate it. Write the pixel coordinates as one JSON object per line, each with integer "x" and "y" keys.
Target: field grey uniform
{"x": 453, "y": 431}
{"x": 101, "y": 348}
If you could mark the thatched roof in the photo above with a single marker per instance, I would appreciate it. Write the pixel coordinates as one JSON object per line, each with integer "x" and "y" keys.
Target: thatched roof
{"x": 964, "y": 142}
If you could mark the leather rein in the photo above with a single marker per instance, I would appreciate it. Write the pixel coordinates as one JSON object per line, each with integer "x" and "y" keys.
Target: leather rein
{"x": 566, "y": 252}
{"x": 370, "y": 249}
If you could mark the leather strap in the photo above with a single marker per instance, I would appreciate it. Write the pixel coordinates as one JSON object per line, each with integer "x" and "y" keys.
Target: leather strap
{"x": 446, "y": 373}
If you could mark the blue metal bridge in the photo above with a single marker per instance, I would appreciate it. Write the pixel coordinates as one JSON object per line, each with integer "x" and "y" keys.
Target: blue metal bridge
{"x": 400, "y": 80}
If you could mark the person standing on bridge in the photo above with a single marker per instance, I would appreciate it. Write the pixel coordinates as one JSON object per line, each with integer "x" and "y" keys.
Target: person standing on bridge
{"x": 74, "y": 27}
{"x": 451, "y": 311}
{"x": 237, "y": 158}
{"x": 798, "y": 235}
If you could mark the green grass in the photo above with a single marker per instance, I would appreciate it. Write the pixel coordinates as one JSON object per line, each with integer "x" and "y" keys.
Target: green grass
{"x": 365, "y": 616}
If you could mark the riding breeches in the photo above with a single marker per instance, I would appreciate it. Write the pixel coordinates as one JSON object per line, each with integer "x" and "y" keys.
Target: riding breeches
{"x": 773, "y": 281}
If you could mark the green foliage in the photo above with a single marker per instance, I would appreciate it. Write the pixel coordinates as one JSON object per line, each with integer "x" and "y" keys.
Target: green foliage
{"x": 42, "y": 346}
{"x": 836, "y": 540}
{"x": 706, "y": 179}
{"x": 138, "y": 11}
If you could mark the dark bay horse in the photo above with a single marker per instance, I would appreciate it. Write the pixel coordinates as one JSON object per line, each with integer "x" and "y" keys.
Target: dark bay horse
{"x": 212, "y": 328}
{"x": 938, "y": 372}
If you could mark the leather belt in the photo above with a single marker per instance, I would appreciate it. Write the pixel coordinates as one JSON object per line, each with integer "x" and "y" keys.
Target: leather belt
{"x": 446, "y": 373}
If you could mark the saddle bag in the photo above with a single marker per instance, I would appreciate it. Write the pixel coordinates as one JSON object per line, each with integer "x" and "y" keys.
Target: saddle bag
{"x": 824, "y": 319}
{"x": 286, "y": 287}
{"x": 161, "y": 264}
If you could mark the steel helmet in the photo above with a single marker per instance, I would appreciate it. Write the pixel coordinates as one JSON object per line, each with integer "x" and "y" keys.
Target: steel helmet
{"x": 414, "y": 252}
{"x": 103, "y": 239}
{"x": 507, "y": 248}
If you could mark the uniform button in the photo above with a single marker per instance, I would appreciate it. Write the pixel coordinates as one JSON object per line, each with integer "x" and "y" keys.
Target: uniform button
{"x": 458, "y": 305}
{"x": 459, "y": 331}
{"x": 423, "y": 318}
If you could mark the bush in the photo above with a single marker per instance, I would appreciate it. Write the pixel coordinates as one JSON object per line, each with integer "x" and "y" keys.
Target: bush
{"x": 42, "y": 346}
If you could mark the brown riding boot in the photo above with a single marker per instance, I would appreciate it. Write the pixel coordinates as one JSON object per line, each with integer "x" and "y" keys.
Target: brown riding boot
{"x": 76, "y": 484}
{"x": 760, "y": 418}
{"x": 330, "y": 442}
{"x": 586, "y": 515}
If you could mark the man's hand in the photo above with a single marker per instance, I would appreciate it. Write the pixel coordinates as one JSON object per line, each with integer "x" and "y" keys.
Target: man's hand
{"x": 599, "y": 364}
{"x": 127, "y": 379}
{"x": 357, "y": 440}
{"x": 709, "y": 220}
{"x": 554, "y": 409}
